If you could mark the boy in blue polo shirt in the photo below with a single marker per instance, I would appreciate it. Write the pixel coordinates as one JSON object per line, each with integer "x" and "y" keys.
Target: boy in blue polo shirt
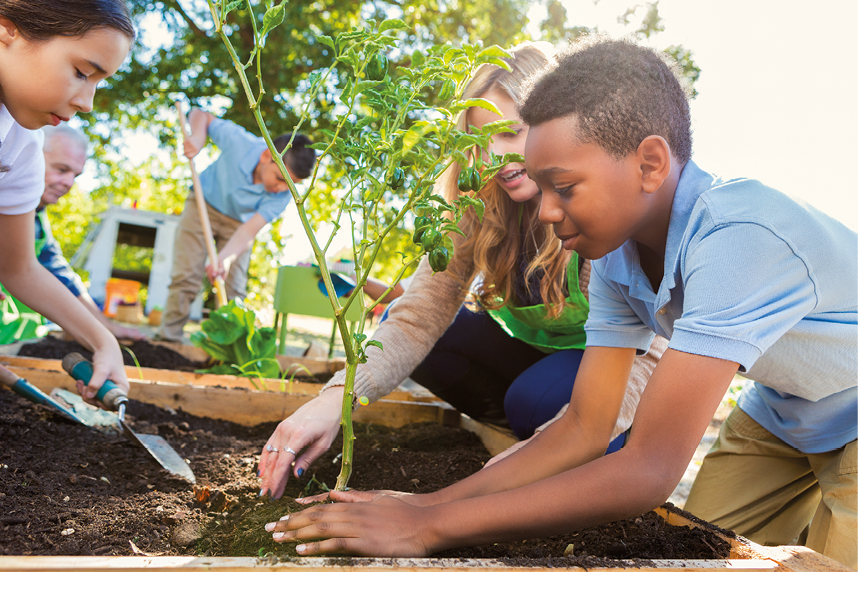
{"x": 243, "y": 190}
{"x": 738, "y": 276}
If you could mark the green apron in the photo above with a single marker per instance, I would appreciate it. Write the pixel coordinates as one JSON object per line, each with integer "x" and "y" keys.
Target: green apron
{"x": 533, "y": 326}
{"x": 17, "y": 321}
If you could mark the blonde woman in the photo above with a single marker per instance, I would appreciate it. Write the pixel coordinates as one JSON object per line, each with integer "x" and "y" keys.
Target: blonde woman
{"x": 510, "y": 354}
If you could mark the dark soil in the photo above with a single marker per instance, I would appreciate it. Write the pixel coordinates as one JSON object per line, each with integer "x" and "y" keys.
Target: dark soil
{"x": 146, "y": 354}
{"x": 69, "y": 490}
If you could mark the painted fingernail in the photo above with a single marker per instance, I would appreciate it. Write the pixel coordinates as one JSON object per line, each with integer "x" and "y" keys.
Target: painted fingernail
{"x": 258, "y": 473}
{"x": 284, "y": 517}
{"x": 270, "y": 526}
{"x": 301, "y": 548}
{"x": 262, "y": 492}
{"x": 300, "y": 471}
{"x": 278, "y": 536}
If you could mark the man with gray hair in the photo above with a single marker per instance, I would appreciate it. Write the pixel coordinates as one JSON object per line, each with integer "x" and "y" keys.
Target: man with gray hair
{"x": 65, "y": 152}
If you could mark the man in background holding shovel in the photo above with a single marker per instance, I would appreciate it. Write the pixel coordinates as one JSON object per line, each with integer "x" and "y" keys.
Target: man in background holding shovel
{"x": 243, "y": 190}
{"x": 65, "y": 152}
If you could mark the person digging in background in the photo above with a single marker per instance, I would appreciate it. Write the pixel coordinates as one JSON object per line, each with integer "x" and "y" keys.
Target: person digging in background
{"x": 243, "y": 190}
{"x": 610, "y": 150}
{"x": 510, "y": 361}
{"x": 53, "y": 54}
{"x": 65, "y": 151}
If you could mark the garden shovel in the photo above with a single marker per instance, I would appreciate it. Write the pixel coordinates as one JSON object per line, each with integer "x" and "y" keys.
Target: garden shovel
{"x": 112, "y": 398}
{"x": 74, "y": 409}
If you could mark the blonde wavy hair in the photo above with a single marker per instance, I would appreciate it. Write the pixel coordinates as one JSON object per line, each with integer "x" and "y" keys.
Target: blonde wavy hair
{"x": 493, "y": 247}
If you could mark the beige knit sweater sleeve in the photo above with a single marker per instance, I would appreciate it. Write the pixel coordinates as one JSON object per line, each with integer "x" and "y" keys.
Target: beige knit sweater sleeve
{"x": 414, "y": 324}
{"x": 421, "y": 316}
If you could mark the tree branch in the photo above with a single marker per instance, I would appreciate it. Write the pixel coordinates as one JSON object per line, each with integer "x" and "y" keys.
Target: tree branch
{"x": 174, "y": 4}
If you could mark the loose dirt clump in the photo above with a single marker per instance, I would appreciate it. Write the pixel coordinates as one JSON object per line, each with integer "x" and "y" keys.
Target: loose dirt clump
{"x": 69, "y": 490}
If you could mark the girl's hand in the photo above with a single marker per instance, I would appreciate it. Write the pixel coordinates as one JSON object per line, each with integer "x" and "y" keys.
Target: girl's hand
{"x": 107, "y": 364}
{"x": 312, "y": 428}
{"x": 385, "y": 527}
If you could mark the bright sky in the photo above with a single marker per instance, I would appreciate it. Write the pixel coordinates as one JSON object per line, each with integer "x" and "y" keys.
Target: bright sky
{"x": 778, "y": 93}
{"x": 777, "y": 96}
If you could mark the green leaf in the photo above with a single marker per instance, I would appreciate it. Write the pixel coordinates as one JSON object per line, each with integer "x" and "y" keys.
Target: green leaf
{"x": 273, "y": 17}
{"x": 475, "y": 102}
{"x": 494, "y": 52}
{"x": 415, "y": 133}
{"x": 391, "y": 24}
{"x": 327, "y": 41}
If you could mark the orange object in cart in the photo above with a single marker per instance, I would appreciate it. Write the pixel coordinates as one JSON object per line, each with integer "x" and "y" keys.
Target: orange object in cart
{"x": 118, "y": 290}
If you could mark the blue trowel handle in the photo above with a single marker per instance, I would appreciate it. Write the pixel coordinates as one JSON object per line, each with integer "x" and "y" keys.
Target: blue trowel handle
{"x": 81, "y": 369}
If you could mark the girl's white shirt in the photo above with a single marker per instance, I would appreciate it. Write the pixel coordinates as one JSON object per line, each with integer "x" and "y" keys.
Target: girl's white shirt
{"x": 22, "y": 185}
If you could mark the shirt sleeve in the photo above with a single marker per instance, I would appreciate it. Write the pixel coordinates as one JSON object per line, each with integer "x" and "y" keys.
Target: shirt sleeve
{"x": 230, "y": 138}
{"x": 273, "y": 206}
{"x": 744, "y": 288}
{"x": 22, "y": 184}
{"x": 612, "y": 322}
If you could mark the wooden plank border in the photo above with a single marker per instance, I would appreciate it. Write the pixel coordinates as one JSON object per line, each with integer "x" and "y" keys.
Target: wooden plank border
{"x": 334, "y": 564}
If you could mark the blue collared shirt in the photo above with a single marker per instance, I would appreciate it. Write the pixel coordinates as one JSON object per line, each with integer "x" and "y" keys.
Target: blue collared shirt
{"x": 756, "y": 277}
{"x": 228, "y": 182}
{"x": 51, "y": 257}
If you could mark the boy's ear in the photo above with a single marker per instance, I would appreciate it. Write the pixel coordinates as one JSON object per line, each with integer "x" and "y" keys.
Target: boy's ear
{"x": 8, "y": 31}
{"x": 265, "y": 157}
{"x": 654, "y": 158}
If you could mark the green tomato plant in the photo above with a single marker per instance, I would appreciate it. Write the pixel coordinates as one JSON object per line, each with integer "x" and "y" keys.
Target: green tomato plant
{"x": 395, "y": 135}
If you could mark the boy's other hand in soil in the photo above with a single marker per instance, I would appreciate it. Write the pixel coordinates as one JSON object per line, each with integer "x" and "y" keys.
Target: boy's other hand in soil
{"x": 383, "y": 527}
{"x": 361, "y": 496}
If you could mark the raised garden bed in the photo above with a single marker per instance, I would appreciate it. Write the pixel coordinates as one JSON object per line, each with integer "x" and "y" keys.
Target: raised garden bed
{"x": 163, "y": 355}
{"x": 75, "y": 499}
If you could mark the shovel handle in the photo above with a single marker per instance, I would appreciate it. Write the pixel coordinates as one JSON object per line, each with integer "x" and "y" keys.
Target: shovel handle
{"x": 8, "y": 377}
{"x": 80, "y": 369}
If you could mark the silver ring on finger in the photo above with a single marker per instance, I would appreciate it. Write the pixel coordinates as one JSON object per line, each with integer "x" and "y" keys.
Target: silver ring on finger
{"x": 290, "y": 450}
{"x": 272, "y": 449}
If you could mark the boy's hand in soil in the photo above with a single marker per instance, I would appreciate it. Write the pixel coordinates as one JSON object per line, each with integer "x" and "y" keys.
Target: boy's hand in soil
{"x": 312, "y": 428}
{"x": 362, "y": 496}
{"x": 384, "y": 527}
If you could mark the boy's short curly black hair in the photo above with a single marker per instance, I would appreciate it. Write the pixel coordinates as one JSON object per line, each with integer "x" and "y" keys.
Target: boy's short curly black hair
{"x": 621, "y": 93}
{"x": 300, "y": 158}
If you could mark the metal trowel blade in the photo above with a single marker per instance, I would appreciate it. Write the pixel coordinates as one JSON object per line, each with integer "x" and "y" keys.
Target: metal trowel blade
{"x": 162, "y": 452}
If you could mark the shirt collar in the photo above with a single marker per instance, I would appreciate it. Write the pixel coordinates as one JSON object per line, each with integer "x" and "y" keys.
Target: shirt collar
{"x": 693, "y": 182}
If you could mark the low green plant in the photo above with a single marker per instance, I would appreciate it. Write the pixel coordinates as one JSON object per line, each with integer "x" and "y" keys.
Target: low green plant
{"x": 231, "y": 337}
{"x": 395, "y": 135}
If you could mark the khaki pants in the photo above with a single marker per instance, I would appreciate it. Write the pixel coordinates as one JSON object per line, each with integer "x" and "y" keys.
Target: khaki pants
{"x": 757, "y": 485}
{"x": 189, "y": 259}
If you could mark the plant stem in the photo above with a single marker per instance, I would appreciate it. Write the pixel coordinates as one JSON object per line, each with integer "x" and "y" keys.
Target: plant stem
{"x": 348, "y": 428}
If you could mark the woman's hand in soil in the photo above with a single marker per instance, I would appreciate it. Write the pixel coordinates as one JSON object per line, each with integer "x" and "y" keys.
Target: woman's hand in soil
{"x": 312, "y": 428}
{"x": 385, "y": 527}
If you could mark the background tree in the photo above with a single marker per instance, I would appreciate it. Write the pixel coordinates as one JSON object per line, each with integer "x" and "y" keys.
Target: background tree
{"x": 177, "y": 57}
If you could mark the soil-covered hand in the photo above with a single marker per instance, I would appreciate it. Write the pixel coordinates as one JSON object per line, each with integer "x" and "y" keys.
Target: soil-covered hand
{"x": 384, "y": 527}
{"x": 312, "y": 428}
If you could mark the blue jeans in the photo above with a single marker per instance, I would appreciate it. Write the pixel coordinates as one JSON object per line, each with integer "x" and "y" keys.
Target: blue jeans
{"x": 484, "y": 372}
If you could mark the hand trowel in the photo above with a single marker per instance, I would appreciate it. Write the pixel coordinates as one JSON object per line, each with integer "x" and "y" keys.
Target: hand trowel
{"x": 113, "y": 398}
